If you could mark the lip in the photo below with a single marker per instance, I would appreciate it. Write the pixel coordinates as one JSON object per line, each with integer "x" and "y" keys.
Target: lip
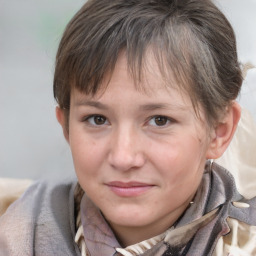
{"x": 129, "y": 189}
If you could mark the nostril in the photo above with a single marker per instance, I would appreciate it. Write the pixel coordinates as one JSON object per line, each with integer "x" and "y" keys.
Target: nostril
{"x": 121, "y": 162}
{"x": 126, "y": 160}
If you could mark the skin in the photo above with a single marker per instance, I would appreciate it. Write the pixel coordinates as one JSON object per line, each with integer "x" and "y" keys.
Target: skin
{"x": 139, "y": 155}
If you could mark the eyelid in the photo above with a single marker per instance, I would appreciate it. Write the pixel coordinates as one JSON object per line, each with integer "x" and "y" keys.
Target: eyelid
{"x": 86, "y": 120}
{"x": 169, "y": 121}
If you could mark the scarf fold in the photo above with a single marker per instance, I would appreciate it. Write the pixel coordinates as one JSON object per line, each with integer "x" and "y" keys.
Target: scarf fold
{"x": 195, "y": 233}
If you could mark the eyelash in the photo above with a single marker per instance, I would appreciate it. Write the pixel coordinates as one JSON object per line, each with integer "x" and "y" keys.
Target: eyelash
{"x": 167, "y": 120}
{"x": 91, "y": 120}
{"x": 93, "y": 117}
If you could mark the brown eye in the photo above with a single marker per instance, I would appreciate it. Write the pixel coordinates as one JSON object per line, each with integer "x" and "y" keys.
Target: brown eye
{"x": 99, "y": 120}
{"x": 96, "y": 120}
{"x": 161, "y": 120}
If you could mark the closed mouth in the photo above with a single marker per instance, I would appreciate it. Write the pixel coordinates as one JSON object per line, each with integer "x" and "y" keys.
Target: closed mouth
{"x": 129, "y": 189}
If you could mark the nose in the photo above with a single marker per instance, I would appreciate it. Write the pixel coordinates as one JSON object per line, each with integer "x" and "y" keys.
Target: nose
{"x": 126, "y": 150}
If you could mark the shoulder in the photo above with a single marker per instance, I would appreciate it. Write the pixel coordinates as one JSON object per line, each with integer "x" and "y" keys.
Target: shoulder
{"x": 43, "y": 212}
{"x": 39, "y": 194}
{"x": 240, "y": 219}
{"x": 240, "y": 241}
{"x": 10, "y": 190}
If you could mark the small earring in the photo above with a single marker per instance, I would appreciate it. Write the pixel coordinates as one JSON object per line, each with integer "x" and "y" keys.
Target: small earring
{"x": 211, "y": 163}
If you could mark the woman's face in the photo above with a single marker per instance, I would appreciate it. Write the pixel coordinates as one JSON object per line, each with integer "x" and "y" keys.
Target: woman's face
{"x": 139, "y": 156}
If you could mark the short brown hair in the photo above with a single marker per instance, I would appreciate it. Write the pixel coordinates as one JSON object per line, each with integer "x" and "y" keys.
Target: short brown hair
{"x": 192, "y": 37}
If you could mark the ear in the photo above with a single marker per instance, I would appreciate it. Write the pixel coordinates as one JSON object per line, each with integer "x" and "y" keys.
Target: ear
{"x": 222, "y": 134}
{"x": 60, "y": 115}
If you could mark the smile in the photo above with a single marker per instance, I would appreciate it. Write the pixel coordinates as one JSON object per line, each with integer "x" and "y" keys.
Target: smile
{"x": 129, "y": 189}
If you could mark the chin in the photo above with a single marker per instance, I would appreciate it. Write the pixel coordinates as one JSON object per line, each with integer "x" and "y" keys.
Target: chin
{"x": 127, "y": 218}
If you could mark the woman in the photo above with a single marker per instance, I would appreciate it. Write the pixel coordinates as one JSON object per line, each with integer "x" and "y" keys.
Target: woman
{"x": 146, "y": 93}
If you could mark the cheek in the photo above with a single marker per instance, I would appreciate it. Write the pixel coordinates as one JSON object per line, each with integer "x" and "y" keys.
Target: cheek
{"x": 87, "y": 162}
{"x": 180, "y": 160}
{"x": 87, "y": 154}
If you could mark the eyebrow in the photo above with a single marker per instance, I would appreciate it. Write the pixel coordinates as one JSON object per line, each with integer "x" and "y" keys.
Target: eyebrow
{"x": 146, "y": 107}
{"x": 150, "y": 107}
{"x": 94, "y": 104}
{"x": 153, "y": 106}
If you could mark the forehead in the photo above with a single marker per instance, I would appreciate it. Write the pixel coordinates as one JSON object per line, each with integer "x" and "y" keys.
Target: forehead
{"x": 123, "y": 87}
